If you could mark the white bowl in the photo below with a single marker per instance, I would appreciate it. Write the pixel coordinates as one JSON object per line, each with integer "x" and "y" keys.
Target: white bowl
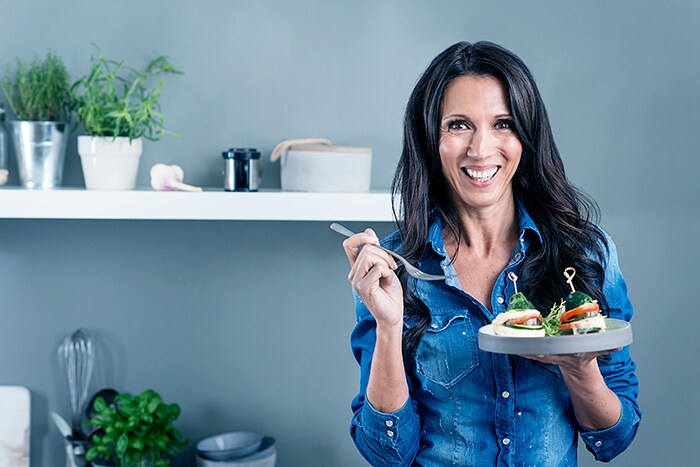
{"x": 229, "y": 446}
{"x": 265, "y": 456}
{"x": 268, "y": 461}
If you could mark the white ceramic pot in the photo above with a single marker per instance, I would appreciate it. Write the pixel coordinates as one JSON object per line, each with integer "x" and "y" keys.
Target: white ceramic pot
{"x": 109, "y": 163}
{"x": 318, "y": 166}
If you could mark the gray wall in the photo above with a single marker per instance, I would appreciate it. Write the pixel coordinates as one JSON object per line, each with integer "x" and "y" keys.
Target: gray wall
{"x": 246, "y": 324}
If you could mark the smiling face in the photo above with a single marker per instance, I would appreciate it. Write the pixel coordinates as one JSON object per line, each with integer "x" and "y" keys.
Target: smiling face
{"x": 479, "y": 148}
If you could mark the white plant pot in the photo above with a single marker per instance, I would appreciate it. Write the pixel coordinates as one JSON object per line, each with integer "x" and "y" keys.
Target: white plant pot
{"x": 109, "y": 163}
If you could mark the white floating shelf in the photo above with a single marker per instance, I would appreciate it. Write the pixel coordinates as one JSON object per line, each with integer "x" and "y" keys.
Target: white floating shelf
{"x": 211, "y": 204}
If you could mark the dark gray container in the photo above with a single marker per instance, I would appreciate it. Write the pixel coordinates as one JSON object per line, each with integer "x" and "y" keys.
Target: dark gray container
{"x": 241, "y": 171}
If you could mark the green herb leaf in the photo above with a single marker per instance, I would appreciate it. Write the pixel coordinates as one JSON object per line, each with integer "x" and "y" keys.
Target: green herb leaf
{"x": 92, "y": 454}
{"x": 137, "y": 444}
{"x": 100, "y": 405}
{"x": 153, "y": 405}
{"x": 551, "y": 321}
{"x": 122, "y": 445}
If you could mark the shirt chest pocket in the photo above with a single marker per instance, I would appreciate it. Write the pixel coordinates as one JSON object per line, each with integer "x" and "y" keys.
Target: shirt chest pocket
{"x": 447, "y": 351}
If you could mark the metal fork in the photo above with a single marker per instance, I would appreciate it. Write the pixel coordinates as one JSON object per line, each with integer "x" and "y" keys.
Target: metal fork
{"x": 411, "y": 269}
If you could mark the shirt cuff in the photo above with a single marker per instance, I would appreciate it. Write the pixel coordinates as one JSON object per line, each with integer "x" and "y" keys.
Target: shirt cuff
{"x": 389, "y": 428}
{"x": 607, "y": 443}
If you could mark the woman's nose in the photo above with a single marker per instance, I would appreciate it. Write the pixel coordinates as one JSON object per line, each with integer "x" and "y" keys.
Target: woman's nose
{"x": 480, "y": 143}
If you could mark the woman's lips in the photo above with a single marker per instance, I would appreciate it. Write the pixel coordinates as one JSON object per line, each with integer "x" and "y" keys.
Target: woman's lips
{"x": 480, "y": 175}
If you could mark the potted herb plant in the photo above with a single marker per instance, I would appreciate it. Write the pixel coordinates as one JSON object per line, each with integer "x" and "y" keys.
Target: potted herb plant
{"x": 135, "y": 431}
{"x": 38, "y": 95}
{"x": 118, "y": 106}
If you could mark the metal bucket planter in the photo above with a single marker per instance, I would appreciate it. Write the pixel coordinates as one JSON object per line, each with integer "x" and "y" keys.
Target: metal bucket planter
{"x": 40, "y": 148}
{"x": 109, "y": 163}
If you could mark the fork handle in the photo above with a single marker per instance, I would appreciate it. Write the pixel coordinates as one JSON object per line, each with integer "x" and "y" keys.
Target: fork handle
{"x": 394, "y": 254}
{"x": 348, "y": 233}
{"x": 342, "y": 229}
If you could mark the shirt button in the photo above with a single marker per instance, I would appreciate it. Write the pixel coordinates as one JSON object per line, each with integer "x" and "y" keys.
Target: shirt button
{"x": 389, "y": 423}
{"x": 518, "y": 255}
{"x": 390, "y": 433}
{"x": 505, "y": 394}
{"x": 598, "y": 444}
{"x": 433, "y": 325}
{"x": 500, "y": 300}
{"x": 505, "y": 441}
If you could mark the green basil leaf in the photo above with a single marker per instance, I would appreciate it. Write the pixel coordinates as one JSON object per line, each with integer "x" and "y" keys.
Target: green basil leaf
{"x": 122, "y": 445}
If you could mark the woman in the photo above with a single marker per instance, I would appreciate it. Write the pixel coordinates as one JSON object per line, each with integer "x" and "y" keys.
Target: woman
{"x": 483, "y": 193}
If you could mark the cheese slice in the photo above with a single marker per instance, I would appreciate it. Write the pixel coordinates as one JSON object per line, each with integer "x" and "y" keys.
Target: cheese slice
{"x": 500, "y": 329}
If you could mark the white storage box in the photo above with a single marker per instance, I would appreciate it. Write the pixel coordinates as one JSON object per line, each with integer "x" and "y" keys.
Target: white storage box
{"x": 316, "y": 165}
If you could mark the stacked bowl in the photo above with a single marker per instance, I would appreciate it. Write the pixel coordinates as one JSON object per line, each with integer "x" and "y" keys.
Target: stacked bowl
{"x": 237, "y": 449}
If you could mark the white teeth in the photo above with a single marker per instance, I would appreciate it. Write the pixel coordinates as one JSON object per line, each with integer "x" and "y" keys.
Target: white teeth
{"x": 482, "y": 175}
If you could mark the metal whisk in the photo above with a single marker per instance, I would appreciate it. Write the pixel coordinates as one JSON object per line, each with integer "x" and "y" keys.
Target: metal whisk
{"x": 76, "y": 355}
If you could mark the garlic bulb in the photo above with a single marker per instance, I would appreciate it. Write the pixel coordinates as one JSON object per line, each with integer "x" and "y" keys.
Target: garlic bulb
{"x": 169, "y": 178}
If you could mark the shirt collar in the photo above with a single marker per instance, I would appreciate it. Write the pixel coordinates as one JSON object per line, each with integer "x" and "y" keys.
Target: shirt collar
{"x": 435, "y": 236}
{"x": 526, "y": 222}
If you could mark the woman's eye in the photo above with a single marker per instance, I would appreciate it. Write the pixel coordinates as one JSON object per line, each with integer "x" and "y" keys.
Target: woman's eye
{"x": 505, "y": 125}
{"x": 458, "y": 125}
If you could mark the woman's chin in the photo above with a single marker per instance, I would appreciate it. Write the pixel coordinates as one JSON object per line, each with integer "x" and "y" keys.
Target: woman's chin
{"x": 487, "y": 198}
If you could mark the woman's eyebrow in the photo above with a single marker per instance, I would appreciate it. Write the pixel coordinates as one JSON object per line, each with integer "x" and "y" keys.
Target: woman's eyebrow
{"x": 455, "y": 115}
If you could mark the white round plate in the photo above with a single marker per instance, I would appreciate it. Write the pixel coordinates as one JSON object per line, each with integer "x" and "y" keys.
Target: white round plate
{"x": 618, "y": 334}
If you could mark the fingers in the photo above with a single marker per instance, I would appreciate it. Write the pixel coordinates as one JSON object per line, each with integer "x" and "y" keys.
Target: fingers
{"x": 372, "y": 273}
{"x": 367, "y": 259}
{"x": 538, "y": 358}
{"x": 353, "y": 245}
{"x": 571, "y": 361}
{"x": 373, "y": 279}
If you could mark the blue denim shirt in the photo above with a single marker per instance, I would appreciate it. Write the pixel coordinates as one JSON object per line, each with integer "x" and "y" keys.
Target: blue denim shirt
{"x": 470, "y": 407}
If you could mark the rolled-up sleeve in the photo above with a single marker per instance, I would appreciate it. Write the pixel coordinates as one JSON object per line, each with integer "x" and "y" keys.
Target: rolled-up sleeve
{"x": 618, "y": 371}
{"x": 381, "y": 438}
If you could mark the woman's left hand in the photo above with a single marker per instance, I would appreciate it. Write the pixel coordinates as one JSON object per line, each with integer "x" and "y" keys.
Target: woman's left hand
{"x": 571, "y": 362}
{"x": 596, "y": 407}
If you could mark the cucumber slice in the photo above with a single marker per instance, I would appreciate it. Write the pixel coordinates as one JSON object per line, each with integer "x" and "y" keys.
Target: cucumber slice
{"x": 524, "y": 326}
{"x": 576, "y": 299}
{"x": 569, "y": 332}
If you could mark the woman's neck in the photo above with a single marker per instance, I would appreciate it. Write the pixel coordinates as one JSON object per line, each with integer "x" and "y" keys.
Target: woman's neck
{"x": 486, "y": 229}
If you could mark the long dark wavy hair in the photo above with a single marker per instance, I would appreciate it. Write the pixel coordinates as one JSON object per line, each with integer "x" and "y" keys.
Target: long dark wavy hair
{"x": 564, "y": 215}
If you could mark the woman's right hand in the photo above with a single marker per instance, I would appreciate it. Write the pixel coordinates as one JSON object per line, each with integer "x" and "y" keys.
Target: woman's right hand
{"x": 372, "y": 276}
